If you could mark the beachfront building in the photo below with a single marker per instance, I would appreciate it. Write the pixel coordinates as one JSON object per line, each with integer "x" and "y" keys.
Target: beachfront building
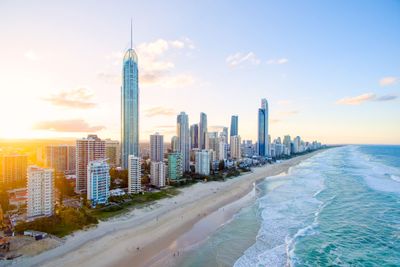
{"x": 98, "y": 182}
{"x": 202, "y": 131}
{"x": 134, "y": 175}
{"x": 13, "y": 170}
{"x": 202, "y": 162}
{"x": 158, "y": 172}
{"x": 263, "y": 137}
{"x": 194, "y": 136}
{"x": 129, "y": 107}
{"x": 156, "y": 147}
{"x": 87, "y": 150}
{"x": 61, "y": 158}
{"x": 40, "y": 192}
{"x": 175, "y": 170}
{"x": 287, "y": 143}
{"x": 235, "y": 147}
{"x": 113, "y": 152}
{"x": 184, "y": 139}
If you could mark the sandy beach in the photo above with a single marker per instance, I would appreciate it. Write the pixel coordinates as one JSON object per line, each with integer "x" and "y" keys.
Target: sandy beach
{"x": 137, "y": 238}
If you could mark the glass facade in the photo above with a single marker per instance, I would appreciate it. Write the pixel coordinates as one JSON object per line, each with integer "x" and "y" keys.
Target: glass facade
{"x": 129, "y": 108}
{"x": 234, "y": 125}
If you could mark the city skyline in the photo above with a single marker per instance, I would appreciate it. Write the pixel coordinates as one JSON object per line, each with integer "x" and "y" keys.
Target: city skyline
{"x": 311, "y": 92}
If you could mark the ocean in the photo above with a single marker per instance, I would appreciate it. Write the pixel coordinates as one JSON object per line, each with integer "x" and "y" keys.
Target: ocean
{"x": 338, "y": 208}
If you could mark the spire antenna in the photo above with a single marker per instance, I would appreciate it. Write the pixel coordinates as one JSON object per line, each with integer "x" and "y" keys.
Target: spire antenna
{"x": 131, "y": 35}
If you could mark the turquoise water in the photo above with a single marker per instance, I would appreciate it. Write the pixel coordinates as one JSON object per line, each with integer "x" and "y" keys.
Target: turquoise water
{"x": 338, "y": 208}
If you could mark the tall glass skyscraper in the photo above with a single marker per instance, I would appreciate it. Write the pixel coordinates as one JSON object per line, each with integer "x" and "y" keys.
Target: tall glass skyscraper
{"x": 129, "y": 106}
{"x": 263, "y": 140}
{"x": 194, "y": 136}
{"x": 234, "y": 125}
{"x": 182, "y": 129}
{"x": 202, "y": 130}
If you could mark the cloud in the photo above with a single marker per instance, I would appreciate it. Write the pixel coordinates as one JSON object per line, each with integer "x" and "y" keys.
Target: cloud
{"x": 31, "y": 55}
{"x": 386, "y": 98}
{"x": 156, "y": 64}
{"x": 278, "y": 61}
{"x": 238, "y": 59}
{"x": 76, "y": 98}
{"x": 386, "y": 81}
{"x": 74, "y": 125}
{"x": 357, "y": 100}
{"x": 159, "y": 111}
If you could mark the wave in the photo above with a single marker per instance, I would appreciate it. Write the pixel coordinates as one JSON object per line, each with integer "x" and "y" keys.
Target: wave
{"x": 286, "y": 212}
{"x": 378, "y": 175}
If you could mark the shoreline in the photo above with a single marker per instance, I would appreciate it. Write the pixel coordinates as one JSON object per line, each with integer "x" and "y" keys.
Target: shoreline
{"x": 141, "y": 234}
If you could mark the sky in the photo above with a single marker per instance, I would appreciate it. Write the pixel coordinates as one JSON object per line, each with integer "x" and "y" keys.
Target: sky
{"x": 329, "y": 69}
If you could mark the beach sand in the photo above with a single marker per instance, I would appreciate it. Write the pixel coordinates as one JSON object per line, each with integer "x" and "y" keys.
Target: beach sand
{"x": 142, "y": 237}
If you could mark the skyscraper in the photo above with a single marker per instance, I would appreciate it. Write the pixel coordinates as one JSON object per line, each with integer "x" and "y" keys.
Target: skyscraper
{"x": 156, "y": 147}
{"x": 40, "y": 192}
{"x": 202, "y": 163}
{"x": 134, "y": 175}
{"x": 61, "y": 158}
{"x": 234, "y": 125}
{"x": 202, "y": 130}
{"x": 13, "y": 170}
{"x": 129, "y": 106}
{"x": 175, "y": 170}
{"x": 174, "y": 143}
{"x": 263, "y": 138}
{"x": 98, "y": 182}
{"x": 235, "y": 147}
{"x": 182, "y": 130}
{"x": 158, "y": 172}
{"x": 113, "y": 152}
{"x": 194, "y": 136}
{"x": 87, "y": 149}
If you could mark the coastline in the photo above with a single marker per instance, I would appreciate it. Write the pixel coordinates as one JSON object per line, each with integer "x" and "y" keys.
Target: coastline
{"x": 141, "y": 234}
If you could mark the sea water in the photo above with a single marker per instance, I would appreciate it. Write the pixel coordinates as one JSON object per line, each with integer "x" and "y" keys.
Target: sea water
{"x": 340, "y": 207}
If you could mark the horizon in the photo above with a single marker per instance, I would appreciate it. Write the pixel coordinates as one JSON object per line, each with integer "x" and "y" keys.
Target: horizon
{"x": 331, "y": 89}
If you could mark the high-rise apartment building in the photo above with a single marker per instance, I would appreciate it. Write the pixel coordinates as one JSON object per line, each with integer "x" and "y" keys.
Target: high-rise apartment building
{"x": 134, "y": 175}
{"x": 263, "y": 137}
{"x": 113, "y": 152}
{"x": 174, "y": 143}
{"x": 40, "y": 192}
{"x": 13, "y": 170}
{"x": 194, "y": 136}
{"x": 87, "y": 150}
{"x": 202, "y": 130}
{"x": 184, "y": 139}
{"x": 175, "y": 170}
{"x": 61, "y": 158}
{"x": 98, "y": 182}
{"x": 156, "y": 147}
{"x": 158, "y": 172}
{"x": 202, "y": 162}
{"x": 234, "y": 125}
{"x": 235, "y": 147}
